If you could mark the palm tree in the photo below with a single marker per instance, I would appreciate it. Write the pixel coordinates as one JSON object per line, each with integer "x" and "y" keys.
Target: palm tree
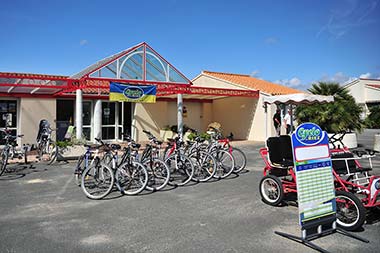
{"x": 341, "y": 115}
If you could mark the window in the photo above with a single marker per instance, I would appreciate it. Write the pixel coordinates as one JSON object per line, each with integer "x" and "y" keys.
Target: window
{"x": 8, "y": 111}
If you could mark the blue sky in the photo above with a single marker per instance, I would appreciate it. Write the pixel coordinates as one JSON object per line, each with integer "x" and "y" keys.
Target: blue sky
{"x": 293, "y": 43}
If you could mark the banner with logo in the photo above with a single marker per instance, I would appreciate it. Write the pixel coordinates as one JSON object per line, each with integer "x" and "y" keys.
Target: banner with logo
{"x": 315, "y": 181}
{"x": 132, "y": 93}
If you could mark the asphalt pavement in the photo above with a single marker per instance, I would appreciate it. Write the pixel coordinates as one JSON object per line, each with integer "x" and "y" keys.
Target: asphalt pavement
{"x": 42, "y": 210}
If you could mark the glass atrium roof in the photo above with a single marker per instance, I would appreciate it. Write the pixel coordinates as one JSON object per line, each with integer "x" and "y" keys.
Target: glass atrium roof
{"x": 138, "y": 63}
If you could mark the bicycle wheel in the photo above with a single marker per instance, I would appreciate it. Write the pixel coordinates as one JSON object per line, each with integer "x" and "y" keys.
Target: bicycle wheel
{"x": 350, "y": 212}
{"x": 204, "y": 166}
{"x": 181, "y": 169}
{"x": 225, "y": 163}
{"x": 52, "y": 152}
{"x": 40, "y": 149}
{"x": 107, "y": 159}
{"x": 240, "y": 159}
{"x": 131, "y": 178}
{"x": 97, "y": 181}
{"x": 4, "y": 160}
{"x": 158, "y": 174}
{"x": 271, "y": 190}
{"x": 79, "y": 169}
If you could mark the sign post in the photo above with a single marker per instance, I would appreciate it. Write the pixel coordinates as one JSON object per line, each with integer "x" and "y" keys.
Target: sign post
{"x": 315, "y": 185}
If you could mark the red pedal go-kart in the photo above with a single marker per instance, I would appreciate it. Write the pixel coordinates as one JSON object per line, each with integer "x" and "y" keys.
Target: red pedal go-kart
{"x": 355, "y": 189}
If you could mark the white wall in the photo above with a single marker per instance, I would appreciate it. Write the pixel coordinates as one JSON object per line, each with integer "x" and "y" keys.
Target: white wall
{"x": 247, "y": 125}
{"x": 235, "y": 114}
{"x": 32, "y": 110}
{"x": 150, "y": 117}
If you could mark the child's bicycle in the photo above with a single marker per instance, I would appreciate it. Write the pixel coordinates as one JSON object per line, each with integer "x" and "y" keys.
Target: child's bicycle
{"x": 356, "y": 190}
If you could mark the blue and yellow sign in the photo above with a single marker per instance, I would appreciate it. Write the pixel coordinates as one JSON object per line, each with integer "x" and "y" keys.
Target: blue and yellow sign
{"x": 132, "y": 93}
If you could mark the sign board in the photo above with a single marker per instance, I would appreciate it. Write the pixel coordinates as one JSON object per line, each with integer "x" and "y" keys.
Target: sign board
{"x": 132, "y": 93}
{"x": 313, "y": 166}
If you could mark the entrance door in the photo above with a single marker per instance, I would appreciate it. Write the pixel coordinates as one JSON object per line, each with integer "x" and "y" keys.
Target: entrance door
{"x": 65, "y": 116}
{"x": 87, "y": 118}
{"x": 124, "y": 119}
{"x": 108, "y": 120}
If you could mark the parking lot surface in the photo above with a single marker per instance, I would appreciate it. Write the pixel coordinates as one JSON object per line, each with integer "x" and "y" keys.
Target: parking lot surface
{"x": 42, "y": 210}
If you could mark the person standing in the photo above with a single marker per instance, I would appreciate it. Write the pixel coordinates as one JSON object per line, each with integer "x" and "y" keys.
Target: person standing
{"x": 277, "y": 121}
{"x": 288, "y": 122}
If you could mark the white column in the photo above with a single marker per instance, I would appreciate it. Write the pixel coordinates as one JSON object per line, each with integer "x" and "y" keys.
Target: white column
{"x": 179, "y": 115}
{"x": 79, "y": 113}
{"x": 98, "y": 119}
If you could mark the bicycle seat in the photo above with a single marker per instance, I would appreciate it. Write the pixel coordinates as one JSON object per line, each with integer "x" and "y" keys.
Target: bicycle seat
{"x": 115, "y": 146}
{"x": 136, "y": 145}
{"x": 157, "y": 142}
{"x": 280, "y": 151}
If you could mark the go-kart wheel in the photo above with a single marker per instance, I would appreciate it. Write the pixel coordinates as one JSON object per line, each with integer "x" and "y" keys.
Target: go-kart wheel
{"x": 350, "y": 212}
{"x": 271, "y": 190}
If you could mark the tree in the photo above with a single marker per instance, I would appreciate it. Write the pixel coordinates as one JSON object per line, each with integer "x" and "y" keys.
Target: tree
{"x": 341, "y": 115}
{"x": 373, "y": 119}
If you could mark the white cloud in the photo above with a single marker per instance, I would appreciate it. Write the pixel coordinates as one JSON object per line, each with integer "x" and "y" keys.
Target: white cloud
{"x": 255, "y": 73}
{"x": 83, "y": 42}
{"x": 338, "y": 77}
{"x": 366, "y": 75}
{"x": 293, "y": 82}
{"x": 349, "y": 15}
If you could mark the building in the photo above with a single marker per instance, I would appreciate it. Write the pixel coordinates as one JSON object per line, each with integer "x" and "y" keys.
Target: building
{"x": 246, "y": 116}
{"x": 83, "y": 99}
{"x": 366, "y": 93}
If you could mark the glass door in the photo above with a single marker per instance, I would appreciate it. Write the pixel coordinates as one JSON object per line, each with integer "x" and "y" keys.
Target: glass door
{"x": 8, "y": 113}
{"x": 87, "y": 119}
{"x": 108, "y": 120}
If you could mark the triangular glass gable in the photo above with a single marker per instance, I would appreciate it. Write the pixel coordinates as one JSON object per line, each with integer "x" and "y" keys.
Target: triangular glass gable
{"x": 131, "y": 66}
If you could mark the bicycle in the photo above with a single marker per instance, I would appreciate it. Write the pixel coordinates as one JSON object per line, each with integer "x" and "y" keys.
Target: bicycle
{"x": 158, "y": 171}
{"x": 10, "y": 151}
{"x": 45, "y": 145}
{"x": 131, "y": 176}
{"x": 238, "y": 155}
{"x": 205, "y": 165}
{"x": 97, "y": 179}
{"x": 89, "y": 158}
{"x": 180, "y": 166}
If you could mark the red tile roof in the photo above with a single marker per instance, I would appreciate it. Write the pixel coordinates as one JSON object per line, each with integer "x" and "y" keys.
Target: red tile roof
{"x": 253, "y": 83}
{"x": 377, "y": 86}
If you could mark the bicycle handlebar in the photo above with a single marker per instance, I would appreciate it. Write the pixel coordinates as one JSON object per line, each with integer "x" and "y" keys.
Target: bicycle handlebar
{"x": 101, "y": 142}
{"x": 150, "y": 135}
